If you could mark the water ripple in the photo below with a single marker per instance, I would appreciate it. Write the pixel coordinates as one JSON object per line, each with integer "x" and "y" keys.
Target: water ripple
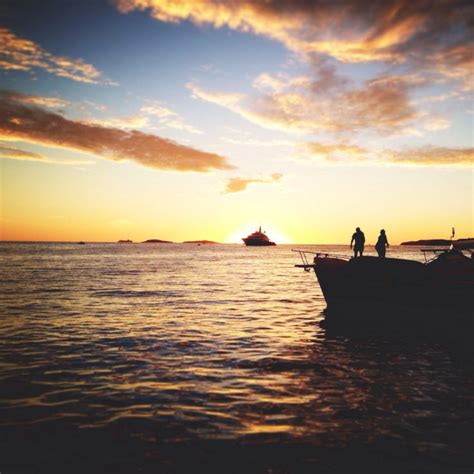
{"x": 188, "y": 343}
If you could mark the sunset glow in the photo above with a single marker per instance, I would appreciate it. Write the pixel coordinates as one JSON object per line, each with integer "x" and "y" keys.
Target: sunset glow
{"x": 186, "y": 120}
{"x": 236, "y": 236}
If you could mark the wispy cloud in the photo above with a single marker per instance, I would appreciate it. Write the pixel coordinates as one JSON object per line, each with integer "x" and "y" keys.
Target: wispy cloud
{"x": 18, "y": 154}
{"x": 237, "y": 103}
{"x": 144, "y": 118}
{"x": 437, "y": 123}
{"x": 230, "y": 100}
{"x": 431, "y": 155}
{"x": 19, "y": 121}
{"x": 334, "y": 152}
{"x": 21, "y": 54}
{"x": 346, "y": 153}
{"x": 124, "y": 123}
{"x": 147, "y": 117}
{"x": 351, "y": 31}
{"x": 168, "y": 118}
{"x": 209, "y": 68}
{"x": 157, "y": 110}
{"x": 14, "y": 153}
{"x": 455, "y": 62}
{"x": 235, "y": 185}
{"x": 43, "y": 101}
{"x": 308, "y": 105}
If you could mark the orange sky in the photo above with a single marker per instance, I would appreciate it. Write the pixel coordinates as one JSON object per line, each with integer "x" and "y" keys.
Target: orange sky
{"x": 197, "y": 120}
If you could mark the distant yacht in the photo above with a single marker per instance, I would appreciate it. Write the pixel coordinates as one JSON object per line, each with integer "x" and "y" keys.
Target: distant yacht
{"x": 258, "y": 239}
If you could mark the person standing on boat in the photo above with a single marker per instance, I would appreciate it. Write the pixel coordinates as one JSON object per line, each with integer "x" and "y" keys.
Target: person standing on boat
{"x": 382, "y": 244}
{"x": 358, "y": 239}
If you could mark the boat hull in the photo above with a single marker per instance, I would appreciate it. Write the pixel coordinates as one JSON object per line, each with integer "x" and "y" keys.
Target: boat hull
{"x": 258, "y": 243}
{"x": 372, "y": 284}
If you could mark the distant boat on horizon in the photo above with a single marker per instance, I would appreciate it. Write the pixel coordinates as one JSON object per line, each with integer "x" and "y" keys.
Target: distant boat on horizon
{"x": 258, "y": 239}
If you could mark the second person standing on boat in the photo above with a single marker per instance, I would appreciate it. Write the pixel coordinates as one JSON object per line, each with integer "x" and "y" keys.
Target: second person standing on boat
{"x": 382, "y": 244}
{"x": 358, "y": 239}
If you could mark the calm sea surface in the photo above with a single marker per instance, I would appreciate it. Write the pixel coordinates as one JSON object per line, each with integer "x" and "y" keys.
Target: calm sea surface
{"x": 201, "y": 358}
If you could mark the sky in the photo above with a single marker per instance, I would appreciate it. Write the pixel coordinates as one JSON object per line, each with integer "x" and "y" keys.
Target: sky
{"x": 203, "y": 119}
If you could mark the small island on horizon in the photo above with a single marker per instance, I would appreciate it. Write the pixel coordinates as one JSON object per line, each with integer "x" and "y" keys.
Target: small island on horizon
{"x": 126, "y": 241}
{"x": 157, "y": 241}
{"x": 438, "y": 242}
{"x": 200, "y": 242}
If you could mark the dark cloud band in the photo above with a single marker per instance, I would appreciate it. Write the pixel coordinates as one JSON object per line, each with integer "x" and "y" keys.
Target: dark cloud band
{"x": 34, "y": 124}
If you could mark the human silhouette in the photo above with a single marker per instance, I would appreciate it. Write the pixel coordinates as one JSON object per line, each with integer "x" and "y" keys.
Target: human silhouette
{"x": 358, "y": 239}
{"x": 382, "y": 244}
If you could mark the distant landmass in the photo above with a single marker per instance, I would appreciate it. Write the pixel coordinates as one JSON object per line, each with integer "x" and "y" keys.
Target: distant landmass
{"x": 125, "y": 241}
{"x": 428, "y": 242}
{"x": 200, "y": 242}
{"x": 157, "y": 241}
{"x": 460, "y": 243}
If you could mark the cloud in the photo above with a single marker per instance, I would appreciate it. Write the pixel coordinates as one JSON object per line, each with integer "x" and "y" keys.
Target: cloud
{"x": 416, "y": 44}
{"x": 336, "y": 151}
{"x": 347, "y": 153}
{"x": 123, "y": 123}
{"x": 20, "y": 54}
{"x": 18, "y": 154}
{"x": 50, "y": 102}
{"x": 144, "y": 118}
{"x": 235, "y": 185}
{"x": 437, "y": 123}
{"x": 19, "y": 121}
{"x": 14, "y": 153}
{"x": 349, "y": 30}
{"x": 225, "y": 99}
{"x": 157, "y": 110}
{"x": 431, "y": 155}
{"x": 165, "y": 116}
{"x": 309, "y": 105}
{"x": 168, "y": 118}
{"x": 240, "y": 104}
{"x": 179, "y": 124}
{"x": 455, "y": 62}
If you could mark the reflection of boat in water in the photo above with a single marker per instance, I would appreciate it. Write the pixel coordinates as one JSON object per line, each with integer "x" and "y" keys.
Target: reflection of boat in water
{"x": 358, "y": 286}
{"x": 258, "y": 239}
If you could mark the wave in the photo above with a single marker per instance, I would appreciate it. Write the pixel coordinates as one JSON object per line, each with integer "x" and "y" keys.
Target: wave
{"x": 134, "y": 294}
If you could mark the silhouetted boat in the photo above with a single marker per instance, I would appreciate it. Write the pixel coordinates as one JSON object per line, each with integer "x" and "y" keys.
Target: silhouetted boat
{"x": 360, "y": 285}
{"x": 258, "y": 239}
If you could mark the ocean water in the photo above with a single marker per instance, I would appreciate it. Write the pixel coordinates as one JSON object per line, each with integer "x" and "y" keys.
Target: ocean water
{"x": 186, "y": 358}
